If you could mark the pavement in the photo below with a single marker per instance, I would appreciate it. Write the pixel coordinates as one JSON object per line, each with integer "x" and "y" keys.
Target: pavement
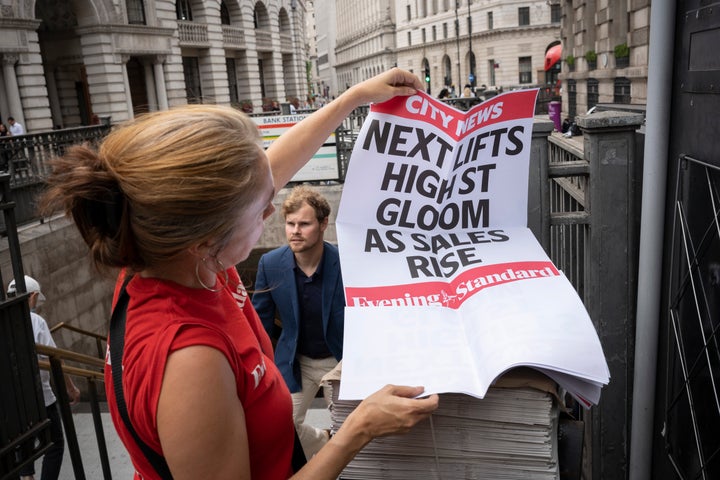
{"x": 120, "y": 466}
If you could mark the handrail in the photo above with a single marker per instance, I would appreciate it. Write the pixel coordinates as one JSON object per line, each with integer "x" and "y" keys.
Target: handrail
{"x": 99, "y": 338}
{"x": 69, "y": 355}
{"x": 55, "y": 365}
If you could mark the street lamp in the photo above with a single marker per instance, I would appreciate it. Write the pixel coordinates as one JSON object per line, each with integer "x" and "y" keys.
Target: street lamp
{"x": 472, "y": 56}
{"x": 457, "y": 41}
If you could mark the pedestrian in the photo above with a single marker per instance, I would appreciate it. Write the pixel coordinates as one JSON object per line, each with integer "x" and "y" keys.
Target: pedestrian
{"x": 52, "y": 460}
{"x": 16, "y": 128}
{"x": 301, "y": 281}
{"x": 4, "y": 132}
{"x": 176, "y": 199}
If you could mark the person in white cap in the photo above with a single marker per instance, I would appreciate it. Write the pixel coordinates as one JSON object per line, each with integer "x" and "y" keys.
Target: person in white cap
{"x": 54, "y": 455}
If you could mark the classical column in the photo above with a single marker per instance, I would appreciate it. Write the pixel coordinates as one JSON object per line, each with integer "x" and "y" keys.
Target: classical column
{"x": 150, "y": 84}
{"x": 11, "y": 88}
{"x": 53, "y": 96}
{"x": 160, "y": 82}
{"x": 126, "y": 81}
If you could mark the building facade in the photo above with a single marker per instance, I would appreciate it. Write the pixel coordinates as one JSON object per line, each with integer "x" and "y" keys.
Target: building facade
{"x": 66, "y": 64}
{"x": 326, "y": 84}
{"x": 495, "y": 43}
{"x": 365, "y": 43}
{"x": 605, "y": 53}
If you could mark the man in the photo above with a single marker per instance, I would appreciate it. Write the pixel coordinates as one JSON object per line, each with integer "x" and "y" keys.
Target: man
{"x": 16, "y": 128}
{"x": 54, "y": 456}
{"x": 302, "y": 283}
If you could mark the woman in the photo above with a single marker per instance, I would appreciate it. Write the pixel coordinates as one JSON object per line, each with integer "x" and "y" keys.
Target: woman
{"x": 4, "y": 132}
{"x": 176, "y": 199}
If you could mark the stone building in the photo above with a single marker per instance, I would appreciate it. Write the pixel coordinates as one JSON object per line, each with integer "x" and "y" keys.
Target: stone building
{"x": 66, "y": 64}
{"x": 480, "y": 42}
{"x": 365, "y": 43}
{"x": 615, "y": 33}
{"x": 324, "y": 78}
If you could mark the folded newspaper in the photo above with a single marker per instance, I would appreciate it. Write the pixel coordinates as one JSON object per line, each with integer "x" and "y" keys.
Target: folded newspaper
{"x": 446, "y": 287}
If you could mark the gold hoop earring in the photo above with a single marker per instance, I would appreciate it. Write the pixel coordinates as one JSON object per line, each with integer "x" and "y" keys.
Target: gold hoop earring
{"x": 222, "y": 269}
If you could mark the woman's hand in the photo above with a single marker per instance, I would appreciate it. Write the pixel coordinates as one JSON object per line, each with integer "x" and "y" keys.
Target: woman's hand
{"x": 391, "y": 410}
{"x": 386, "y": 85}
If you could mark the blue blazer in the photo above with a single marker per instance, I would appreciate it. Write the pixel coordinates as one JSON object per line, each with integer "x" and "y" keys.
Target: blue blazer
{"x": 276, "y": 292}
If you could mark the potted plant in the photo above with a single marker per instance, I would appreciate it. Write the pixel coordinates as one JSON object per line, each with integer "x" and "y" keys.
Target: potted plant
{"x": 570, "y": 61}
{"x": 622, "y": 55}
{"x": 591, "y": 58}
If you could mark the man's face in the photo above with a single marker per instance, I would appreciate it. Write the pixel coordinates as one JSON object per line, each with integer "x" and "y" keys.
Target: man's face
{"x": 11, "y": 122}
{"x": 303, "y": 230}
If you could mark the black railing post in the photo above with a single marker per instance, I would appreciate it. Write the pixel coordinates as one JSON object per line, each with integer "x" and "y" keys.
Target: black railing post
{"x": 99, "y": 432}
{"x": 609, "y": 145}
{"x": 67, "y": 418}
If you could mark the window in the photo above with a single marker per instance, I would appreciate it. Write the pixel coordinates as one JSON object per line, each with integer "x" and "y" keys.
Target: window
{"x": 622, "y": 90}
{"x": 424, "y": 37}
{"x": 592, "y": 93}
{"x": 224, "y": 14}
{"x": 469, "y": 19}
{"x": 525, "y": 69}
{"x": 136, "y": 12}
{"x": 556, "y": 13}
{"x": 182, "y": 10}
{"x": 434, "y": 33}
{"x": 232, "y": 80}
{"x": 409, "y": 38}
{"x": 191, "y": 72}
{"x": 572, "y": 98}
{"x": 490, "y": 21}
{"x": 445, "y": 30}
{"x": 523, "y": 16}
{"x": 409, "y": 13}
{"x": 491, "y": 72}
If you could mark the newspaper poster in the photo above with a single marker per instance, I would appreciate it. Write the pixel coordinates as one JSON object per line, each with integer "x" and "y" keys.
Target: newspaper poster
{"x": 445, "y": 285}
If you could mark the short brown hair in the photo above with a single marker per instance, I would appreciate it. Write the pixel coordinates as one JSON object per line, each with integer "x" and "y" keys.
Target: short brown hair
{"x": 303, "y": 194}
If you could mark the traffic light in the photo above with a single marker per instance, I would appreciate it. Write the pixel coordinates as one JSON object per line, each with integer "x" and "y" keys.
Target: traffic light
{"x": 427, "y": 75}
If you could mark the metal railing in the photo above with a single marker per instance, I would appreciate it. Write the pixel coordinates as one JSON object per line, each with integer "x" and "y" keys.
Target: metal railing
{"x": 100, "y": 340}
{"x": 569, "y": 202}
{"x": 93, "y": 376}
{"x": 26, "y": 158}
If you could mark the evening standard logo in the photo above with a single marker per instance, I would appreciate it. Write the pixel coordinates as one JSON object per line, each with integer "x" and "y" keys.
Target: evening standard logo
{"x": 449, "y": 294}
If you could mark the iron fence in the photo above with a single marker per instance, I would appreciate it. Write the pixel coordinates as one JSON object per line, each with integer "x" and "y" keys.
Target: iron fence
{"x": 27, "y": 159}
{"x": 568, "y": 193}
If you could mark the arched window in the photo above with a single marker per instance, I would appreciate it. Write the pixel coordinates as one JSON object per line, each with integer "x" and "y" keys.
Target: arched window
{"x": 183, "y": 11}
{"x": 224, "y": 14}
{"x": 135, "y": 12}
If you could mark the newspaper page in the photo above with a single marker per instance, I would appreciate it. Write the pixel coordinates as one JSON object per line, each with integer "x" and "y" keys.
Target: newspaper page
{"x": 445, "y": 285}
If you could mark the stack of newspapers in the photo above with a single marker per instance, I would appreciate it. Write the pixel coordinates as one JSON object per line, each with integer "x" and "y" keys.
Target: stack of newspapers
{"x": 509, "y": 434}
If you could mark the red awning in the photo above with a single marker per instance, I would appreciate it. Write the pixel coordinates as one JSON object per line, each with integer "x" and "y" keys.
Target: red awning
{"x": 552, "y": 56}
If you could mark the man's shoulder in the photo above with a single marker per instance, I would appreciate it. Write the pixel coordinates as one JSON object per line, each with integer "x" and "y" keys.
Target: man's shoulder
{"x": 276, "y": 253}
{"x": 331, "y": 248}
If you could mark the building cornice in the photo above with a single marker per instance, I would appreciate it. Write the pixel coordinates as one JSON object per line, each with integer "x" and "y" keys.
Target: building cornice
{"x": 127, "y": 29}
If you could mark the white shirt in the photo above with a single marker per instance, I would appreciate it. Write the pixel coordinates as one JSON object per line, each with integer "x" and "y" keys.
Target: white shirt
{"x": 17, "y": 129}
{"x": 42, "y": 335}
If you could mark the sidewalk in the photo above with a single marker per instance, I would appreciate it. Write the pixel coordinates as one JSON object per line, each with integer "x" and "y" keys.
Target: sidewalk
{"x": 120, "y": 466}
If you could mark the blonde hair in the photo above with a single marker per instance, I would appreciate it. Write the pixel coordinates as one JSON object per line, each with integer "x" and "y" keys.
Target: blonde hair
{"x": 159, "y": 184}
